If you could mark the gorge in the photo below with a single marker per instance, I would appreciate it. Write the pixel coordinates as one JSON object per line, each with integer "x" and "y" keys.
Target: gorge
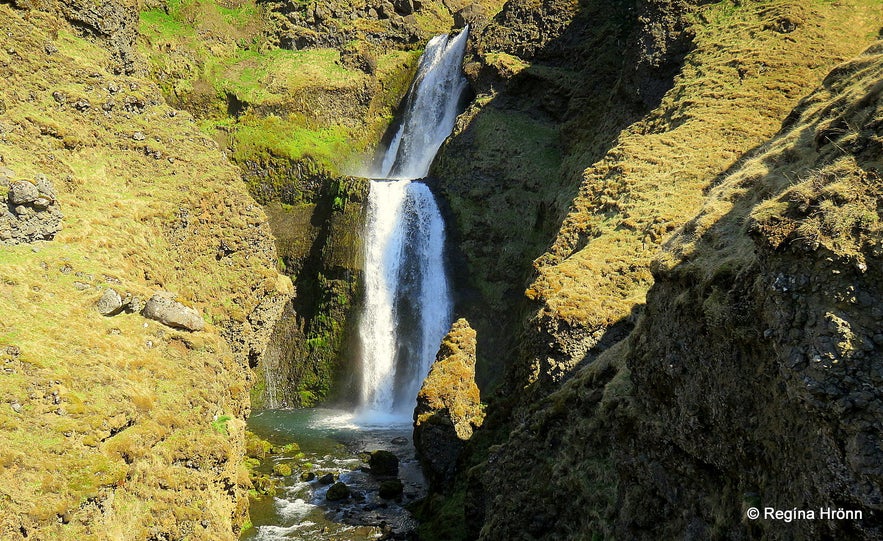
{"x": 661, "y": 219}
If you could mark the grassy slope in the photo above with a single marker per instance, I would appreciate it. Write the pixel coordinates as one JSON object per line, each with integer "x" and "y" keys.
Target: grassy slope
{"x": 298, "y": 105}
{"x": 734, "y": 90}
{"x": 128, "y": 429}
{"x": 655, "y": 178}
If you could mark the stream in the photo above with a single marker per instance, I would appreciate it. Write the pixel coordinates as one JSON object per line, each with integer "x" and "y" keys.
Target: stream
{"x": 332, "y": 441}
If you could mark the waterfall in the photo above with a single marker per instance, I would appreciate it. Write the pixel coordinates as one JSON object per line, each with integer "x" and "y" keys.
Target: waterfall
{"x": 408, "y": 303}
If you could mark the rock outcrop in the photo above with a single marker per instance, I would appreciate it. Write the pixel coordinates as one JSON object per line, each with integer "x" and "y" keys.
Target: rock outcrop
{"x": 31, "y": 212}
{"x": 164, "y": 308}
{"x": 750, "y": 380}
{"x": 760, "y": 386}
{"x": 448, "y": 406}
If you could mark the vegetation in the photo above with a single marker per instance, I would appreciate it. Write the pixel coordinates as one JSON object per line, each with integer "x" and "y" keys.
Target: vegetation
{"x": 740, "y": 83}
{"x": 265, "y": 103}
{"x": 107, "y": 417}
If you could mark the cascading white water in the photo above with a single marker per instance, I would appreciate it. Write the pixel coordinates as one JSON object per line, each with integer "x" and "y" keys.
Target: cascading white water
{"x": 407, "y": 298}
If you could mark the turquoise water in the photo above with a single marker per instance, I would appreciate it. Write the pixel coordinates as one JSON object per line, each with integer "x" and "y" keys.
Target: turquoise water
{"x": 332, "y": 442}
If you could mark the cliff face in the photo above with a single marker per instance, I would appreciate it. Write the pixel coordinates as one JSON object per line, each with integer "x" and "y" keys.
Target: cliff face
{"x": 680, "y": 427}
{"x": 556, "y": 82}
{"x": 119, "y": 426}
{"x": 757, "y": 366}
{"x": 299, "y": 95}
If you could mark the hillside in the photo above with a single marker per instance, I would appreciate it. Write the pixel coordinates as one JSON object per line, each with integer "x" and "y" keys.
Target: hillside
{"x": 119, "y": 426}
{"x": 679, "y": 428}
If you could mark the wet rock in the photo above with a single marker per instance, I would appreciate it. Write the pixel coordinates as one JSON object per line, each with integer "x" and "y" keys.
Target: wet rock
{"x": 161, "y": 307}
{"x": 110, "y": 303}
{"x": 448, "y": 406}
{"x": 401, "y": 440}
{"x": 391, "y": 488}
{"x": 327, "y": 479}
{"x": 338, "y": 491}
{"x": 384, "y": 463}
{"x": 307, "y": 476}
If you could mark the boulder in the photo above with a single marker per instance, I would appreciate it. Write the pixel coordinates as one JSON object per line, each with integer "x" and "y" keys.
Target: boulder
{"x": 282, "y": 469}
{"x": 384, "y": 463}
{"x": 391, "y": 488}
{"x": 22, "y": 192}
{"x": 327, "y": 479}
{"x": 307, "y": 476}
{"x": 338, "y": 491}
{"x": 163, "y": 308}
{"x": 45, "y": 187}
{"x": 30, "y": 213}
{"x": 110, "y": 303}
{"x": 448, "y": 407}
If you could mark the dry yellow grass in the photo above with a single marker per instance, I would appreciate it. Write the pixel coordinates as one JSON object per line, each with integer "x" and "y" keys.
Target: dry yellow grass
{"x": 740, "y": 81}
{"x": 117, "y": 434}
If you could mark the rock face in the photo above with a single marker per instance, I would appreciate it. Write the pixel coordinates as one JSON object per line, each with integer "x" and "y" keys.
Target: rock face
{"x": 31, "y": 212}
{"x": 448, "y": 406}
{"x": 761, "y": 385}
{"x": 163, "y": 308}
{"x": 752, "y": 378}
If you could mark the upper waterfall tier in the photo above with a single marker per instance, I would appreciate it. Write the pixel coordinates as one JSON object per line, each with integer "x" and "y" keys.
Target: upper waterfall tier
{"x": 430, "y": 109}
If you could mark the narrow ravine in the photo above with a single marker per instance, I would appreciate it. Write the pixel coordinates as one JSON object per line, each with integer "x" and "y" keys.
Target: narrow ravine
{"x": 406, "y": 312}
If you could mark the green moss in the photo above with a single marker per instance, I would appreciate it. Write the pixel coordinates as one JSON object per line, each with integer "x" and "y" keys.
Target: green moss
{"x": 283, "y": 469}
{"x": 161, "y": 25}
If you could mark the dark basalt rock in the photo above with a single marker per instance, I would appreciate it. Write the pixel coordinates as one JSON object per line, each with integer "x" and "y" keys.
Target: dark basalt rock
{"x": 338, "y": 491}
{"x": 384, "y": 463}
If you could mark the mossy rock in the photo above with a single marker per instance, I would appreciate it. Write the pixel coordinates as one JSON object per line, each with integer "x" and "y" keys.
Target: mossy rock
{"x": 282, "y": 469}
{"x": 391, "y": 489}
{"x": 264, "y": 485}
{"x": 307, "y": 476}
{"x": 255, "y": 447}
{"x": 338, "y": 491}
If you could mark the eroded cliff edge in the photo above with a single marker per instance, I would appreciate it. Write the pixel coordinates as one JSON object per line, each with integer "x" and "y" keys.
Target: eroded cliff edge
{"x": 121, "y": 427}
{"x": 686, "y": 402}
